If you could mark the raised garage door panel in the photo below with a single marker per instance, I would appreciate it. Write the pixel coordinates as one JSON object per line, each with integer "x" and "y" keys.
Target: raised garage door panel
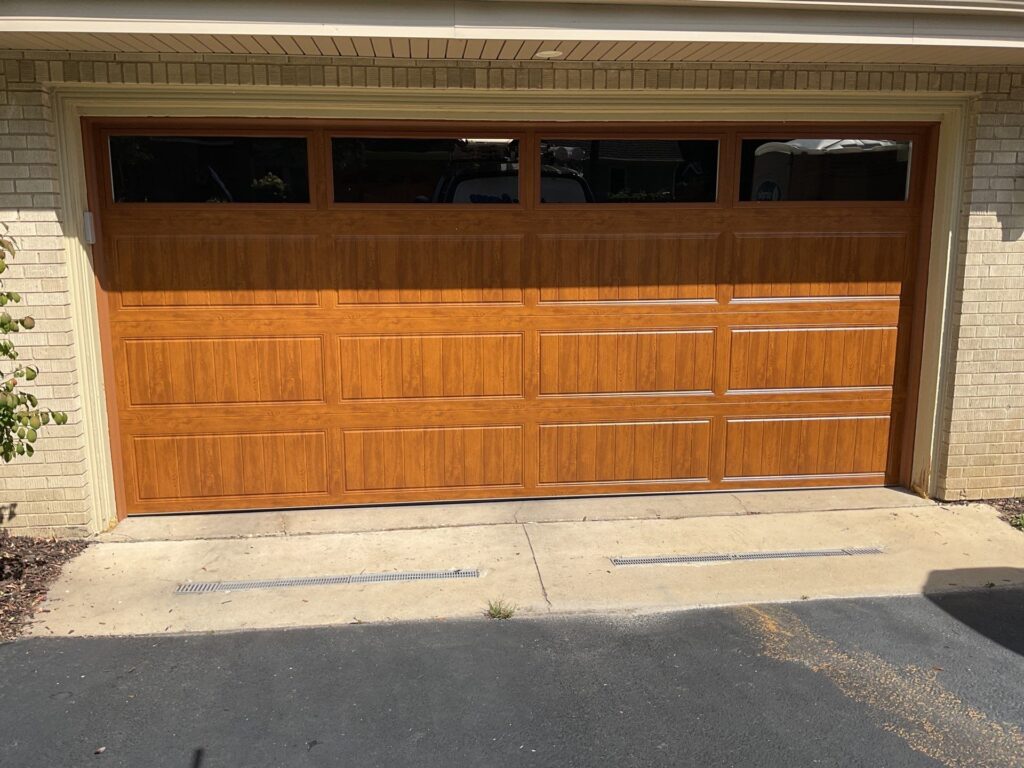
{"x": 434, "y": 366}
{"x": 224, "y": 370}
{"x": 433, "y": 458}
{"x": 261, "y": 465}
{"x": 811, "y": 358}
{"x": 328, "y": 355}
{"x": 835, "y": 446}
{"x": 625, "y": 452}
{"x": 626, "y": 362}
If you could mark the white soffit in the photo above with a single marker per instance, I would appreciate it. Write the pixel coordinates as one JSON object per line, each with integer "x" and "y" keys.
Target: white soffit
{"x": 502, "y": 30}
{"x": 438, "y": 49}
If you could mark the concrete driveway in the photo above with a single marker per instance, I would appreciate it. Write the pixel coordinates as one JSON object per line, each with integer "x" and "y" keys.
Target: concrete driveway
{"x": 879, "y": 682}
{"x": 546, "y": 557}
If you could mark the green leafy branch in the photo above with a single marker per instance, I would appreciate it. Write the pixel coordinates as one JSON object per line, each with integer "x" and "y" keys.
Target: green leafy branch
{"x": 21, "y": 417}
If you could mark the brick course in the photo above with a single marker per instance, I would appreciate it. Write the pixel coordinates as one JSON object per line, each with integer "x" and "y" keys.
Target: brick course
{"x": 982, "y": 430}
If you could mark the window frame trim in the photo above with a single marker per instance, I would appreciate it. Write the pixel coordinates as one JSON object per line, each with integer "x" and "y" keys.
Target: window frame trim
{"x": 319, "y": 131}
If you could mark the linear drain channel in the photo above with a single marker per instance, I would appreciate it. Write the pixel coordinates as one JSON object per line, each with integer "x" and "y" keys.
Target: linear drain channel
{"x": 727, "y": 557}
{"x": 202, "y": 587}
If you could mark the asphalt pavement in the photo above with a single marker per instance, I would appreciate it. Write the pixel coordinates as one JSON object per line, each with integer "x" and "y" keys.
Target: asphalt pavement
{"x": 914, "y": 681}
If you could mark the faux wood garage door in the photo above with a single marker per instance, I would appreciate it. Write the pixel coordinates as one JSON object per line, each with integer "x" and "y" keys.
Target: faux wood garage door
{"x": 339, "y": 350}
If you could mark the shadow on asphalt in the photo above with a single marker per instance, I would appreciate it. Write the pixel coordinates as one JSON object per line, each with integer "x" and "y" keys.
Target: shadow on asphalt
{"x": 988, "y": 600}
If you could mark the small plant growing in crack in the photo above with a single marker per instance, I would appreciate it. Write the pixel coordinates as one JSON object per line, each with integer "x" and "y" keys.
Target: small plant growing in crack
{"x": 499, "y": 609}
{"x": 1017, "y": 521}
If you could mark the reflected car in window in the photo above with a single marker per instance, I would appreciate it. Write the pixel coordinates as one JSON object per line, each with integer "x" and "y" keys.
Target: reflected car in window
{"x": 633, "y": 170}
{"x": 824, "y": 169}
{"x": 425, "y": 170}
{"x": 562, "y": 185}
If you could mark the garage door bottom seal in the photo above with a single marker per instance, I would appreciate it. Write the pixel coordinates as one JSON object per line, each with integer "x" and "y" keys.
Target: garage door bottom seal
{"x": 202, "y": 587}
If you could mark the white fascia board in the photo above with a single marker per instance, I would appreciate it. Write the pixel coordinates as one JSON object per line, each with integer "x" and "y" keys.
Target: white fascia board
{"x": 411, "y": 18}
{"x": 1011, "y": 7}
{"x": 733, "y": 25}
{"x": 489, "y": 20}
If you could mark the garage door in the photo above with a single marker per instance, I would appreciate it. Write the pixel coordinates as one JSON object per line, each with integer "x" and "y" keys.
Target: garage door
{"x": 316, "y": 314}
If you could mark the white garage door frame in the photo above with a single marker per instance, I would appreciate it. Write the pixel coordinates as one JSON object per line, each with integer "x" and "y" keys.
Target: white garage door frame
{"x": 71, "y": 103}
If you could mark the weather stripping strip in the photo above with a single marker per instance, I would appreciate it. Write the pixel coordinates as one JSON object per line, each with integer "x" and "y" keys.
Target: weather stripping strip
{"x": 202, "y": 587}
{"x": 728, "y": 557}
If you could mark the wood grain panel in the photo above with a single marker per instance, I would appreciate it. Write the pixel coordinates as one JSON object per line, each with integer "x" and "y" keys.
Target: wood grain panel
{"x": 261, "y": 355}
{"x": 235, "y": 466}
{"x": 811, "y": 358}
{"x": 431, "y": 366}
{"x": 626, "y": 362}
{"x": 441, "y": 458}
{"x": 803, "y": 447}
{"x": 627, "y": 268}
{"x": 215, "y": 271}
{"x": 224, "y": 371}
{"x": 806, "y": 266}
{"x": 442, "y": 270}
{"x": 624, "y": 452}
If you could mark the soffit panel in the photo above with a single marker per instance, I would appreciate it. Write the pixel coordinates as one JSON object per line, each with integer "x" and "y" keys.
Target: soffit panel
{"x": 509, "y": 50}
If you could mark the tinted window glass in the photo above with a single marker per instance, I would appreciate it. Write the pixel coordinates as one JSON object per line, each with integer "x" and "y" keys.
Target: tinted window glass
{"x": 426, "y": 170}
{"x": 824, "y": 169}
{"x": 209, "y": 169}
{"x": 628, "y": 171}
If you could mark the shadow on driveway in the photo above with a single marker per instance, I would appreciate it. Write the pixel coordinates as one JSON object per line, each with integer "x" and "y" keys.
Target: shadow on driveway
{"x": 988, "y": 600}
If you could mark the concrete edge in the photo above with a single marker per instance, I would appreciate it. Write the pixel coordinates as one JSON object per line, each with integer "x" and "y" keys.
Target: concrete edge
{"x": 597, "y": 615}
{"x": 113, "y": 537}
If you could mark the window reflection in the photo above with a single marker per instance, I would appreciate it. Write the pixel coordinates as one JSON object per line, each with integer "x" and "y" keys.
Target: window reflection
{"x": 404, "y": 170}
{"x": 209, "y": 169}
{"x": 824, "y": 169}
{"x": 628, "y": 171}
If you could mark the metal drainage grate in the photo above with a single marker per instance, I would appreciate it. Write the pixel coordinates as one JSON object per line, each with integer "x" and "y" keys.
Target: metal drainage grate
{"x": 198, "y": 587}
{"x": 727, "y": 557}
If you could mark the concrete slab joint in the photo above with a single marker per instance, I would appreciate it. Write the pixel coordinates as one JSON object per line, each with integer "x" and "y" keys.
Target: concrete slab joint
{"x": 129, "y": 586}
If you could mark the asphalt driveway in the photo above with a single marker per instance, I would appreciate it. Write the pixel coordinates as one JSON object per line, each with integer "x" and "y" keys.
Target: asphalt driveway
{"x": 880, "y": 682}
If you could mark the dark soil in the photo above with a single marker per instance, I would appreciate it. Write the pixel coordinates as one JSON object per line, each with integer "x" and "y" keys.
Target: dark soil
{"x": 1009, "y": 509}
{"x": 27, "y": 568}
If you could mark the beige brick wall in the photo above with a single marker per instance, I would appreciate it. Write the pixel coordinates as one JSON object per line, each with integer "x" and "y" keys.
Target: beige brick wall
{"x": 46, "y": 494}
{"x": 983, "y": 430}
{"x": 982, "y": 438}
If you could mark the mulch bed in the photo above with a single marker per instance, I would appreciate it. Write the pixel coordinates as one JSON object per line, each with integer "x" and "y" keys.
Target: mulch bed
{"x": 1010, "y": 510}
{"x": 27, "y": 568}
{"x": 1008, "y": 507}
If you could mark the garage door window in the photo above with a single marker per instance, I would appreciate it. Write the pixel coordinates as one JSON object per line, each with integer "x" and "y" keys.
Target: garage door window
{"x": 209, "y": 169}
{"x": 824, "y": 169}
{"x": 628, "y": 171}
{"x": 426, "y": 170}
